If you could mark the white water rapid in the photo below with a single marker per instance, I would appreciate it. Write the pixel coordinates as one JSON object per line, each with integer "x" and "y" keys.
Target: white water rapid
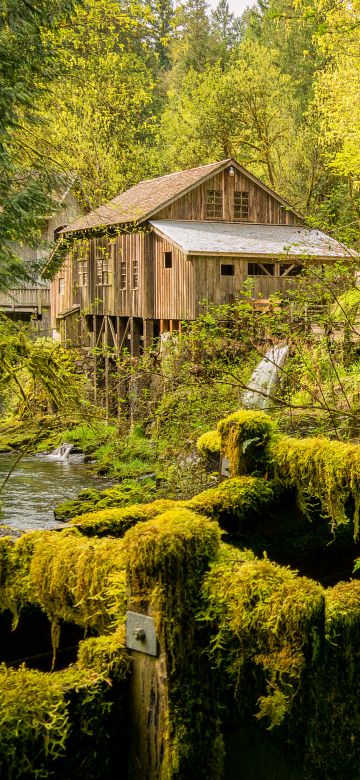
{"x": 264, "y": 378}
{"x": 64, "y": 453}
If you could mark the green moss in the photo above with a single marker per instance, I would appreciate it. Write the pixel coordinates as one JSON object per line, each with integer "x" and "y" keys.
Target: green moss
{"x": 267, "y": 627}
{"x": 244, "y": 439}
{"x": 209, "y": 444}
{"x": 56, "y": 725}
{"x": 328, "y": 471}
{"x": 166, "y": 561}
{"x": 115, "y": 522}
{"x": 127, "y": 492}
{"x": 68, "y": 576}
{"x": 347, "y": 306}
{"x": 105, "y": 655}
{"x": 234, "y": 500}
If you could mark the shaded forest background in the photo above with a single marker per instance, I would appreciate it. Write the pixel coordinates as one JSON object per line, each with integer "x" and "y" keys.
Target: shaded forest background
{"x": 100, "y": 94}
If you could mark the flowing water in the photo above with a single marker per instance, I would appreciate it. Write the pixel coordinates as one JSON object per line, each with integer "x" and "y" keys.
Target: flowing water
{"x": 37, "y": 485}
{"x": 264, "y": 378}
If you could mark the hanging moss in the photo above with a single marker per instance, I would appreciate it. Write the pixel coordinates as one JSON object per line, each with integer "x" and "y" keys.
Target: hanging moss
{"x": 57, "y": 725}
{"x": 234, "y": 501}
{"x": 68, "y": 576}
{"x": 244, "y": 439}
{"x": 328, "y": 471}
{"x": 268, "y": 622}
{"x": 115, "y": 522}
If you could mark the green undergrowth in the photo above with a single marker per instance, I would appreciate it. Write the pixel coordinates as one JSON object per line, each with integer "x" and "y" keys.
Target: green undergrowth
{"x": 116, "y": 521}
{"x": 68, "y": 576}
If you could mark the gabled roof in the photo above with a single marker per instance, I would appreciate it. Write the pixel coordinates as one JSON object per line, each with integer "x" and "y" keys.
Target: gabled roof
{"x": 234, "y": 238}
{"x": 146, "y": 198}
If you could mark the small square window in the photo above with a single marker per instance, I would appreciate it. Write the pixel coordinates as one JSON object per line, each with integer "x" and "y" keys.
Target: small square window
{"x": 167, "y": 259}
{"x": 227, "y": 269}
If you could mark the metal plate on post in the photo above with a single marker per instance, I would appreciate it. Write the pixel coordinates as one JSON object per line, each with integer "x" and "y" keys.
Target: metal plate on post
{"x": 140, "y": 633}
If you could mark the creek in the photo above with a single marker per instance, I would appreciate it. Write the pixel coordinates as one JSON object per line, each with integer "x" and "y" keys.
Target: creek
{"x": 36, "y": 486}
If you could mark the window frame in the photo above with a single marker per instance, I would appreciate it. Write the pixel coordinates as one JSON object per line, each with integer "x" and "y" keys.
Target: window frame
{"x": 215, "y": 207}
{"x": 167, "y": 256}
{"x": 242, "y": 203}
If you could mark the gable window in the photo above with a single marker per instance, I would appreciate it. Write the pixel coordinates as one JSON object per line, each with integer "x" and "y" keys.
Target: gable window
{"x": 135, "y": 274}
{"x": 61, "y": 286}
{"x": 214, "y": 204}
{"x": 103, "y": 269}
{"x": 261, "y": 269}
{"x": 167, "y": 259}
{"x": 227, "y": 269}
{"x": 241, "y": 204}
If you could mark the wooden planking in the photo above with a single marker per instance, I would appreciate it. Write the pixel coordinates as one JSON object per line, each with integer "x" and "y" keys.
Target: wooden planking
{"x": 210, "y": 285}
{"x": 174, "y": 297}
{"x": 264, "y": 208}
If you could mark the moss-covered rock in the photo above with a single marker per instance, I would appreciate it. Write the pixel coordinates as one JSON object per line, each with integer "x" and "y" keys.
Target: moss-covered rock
{"x": 116, "y": 521}
{"x": 209, "y": 444}
{"x": 234, "y": 501}
{"x": 245, "y": 436}
{"x": 129, "y": 491}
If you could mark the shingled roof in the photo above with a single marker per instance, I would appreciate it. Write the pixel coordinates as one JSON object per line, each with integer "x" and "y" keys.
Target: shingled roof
{"x": 146, "y": 198}
{"x": 137, "y": 203}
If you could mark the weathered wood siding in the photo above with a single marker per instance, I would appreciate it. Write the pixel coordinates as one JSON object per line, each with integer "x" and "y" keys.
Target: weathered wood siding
{"x": 103, "y": 257}
{"x": 211, "y": 285}
{"x": 264, "y": 208}
{"x": 174, "y": 287}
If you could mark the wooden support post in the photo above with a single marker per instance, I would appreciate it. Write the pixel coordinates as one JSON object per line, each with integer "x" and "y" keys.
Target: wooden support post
{"x": 106, "y": 348}
{"x": 148, "y": 333}
{"x": 135, "y": 332}
{"x": 167, "y": 738}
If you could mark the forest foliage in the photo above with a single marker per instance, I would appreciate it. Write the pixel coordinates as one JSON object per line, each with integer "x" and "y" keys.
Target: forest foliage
{"x": 115, "y": 91}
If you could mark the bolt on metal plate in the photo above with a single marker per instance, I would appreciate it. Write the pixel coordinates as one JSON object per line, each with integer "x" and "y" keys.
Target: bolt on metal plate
{"x": 140, "y": 633}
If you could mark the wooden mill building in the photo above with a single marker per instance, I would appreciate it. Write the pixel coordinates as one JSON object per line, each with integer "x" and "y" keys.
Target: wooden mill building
{"x": 140, "y": 264}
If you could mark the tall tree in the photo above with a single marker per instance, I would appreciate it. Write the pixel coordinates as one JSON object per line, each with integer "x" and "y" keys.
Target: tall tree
{"x": 28, "y": 178}
{"x": 100, "y": 114}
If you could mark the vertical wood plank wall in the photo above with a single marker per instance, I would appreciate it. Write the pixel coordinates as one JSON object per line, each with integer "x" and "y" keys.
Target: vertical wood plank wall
{"x": 264, "y": 208}
{"x": 165, "y": 293}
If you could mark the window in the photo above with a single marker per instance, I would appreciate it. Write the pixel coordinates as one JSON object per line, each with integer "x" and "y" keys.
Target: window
{"x": 261, "y": 269}
{"x": 241, "y": 204}
{"x": 227, "y": 269}
{"x": 61, "y": 286}
{"x": 214, "y": 204}
{"x": 135, "y": 274}
{"x": 123, "y": 274}
{"x": 287, "y": 269}
{"x": 167, "y": 259}
{"x": 103, "y": 268}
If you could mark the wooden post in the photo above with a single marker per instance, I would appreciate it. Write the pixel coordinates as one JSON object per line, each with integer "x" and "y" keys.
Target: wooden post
{"x": 135, "y": 332}
{"x": 168, "y": 740}
{"x": 148, "y": 333}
